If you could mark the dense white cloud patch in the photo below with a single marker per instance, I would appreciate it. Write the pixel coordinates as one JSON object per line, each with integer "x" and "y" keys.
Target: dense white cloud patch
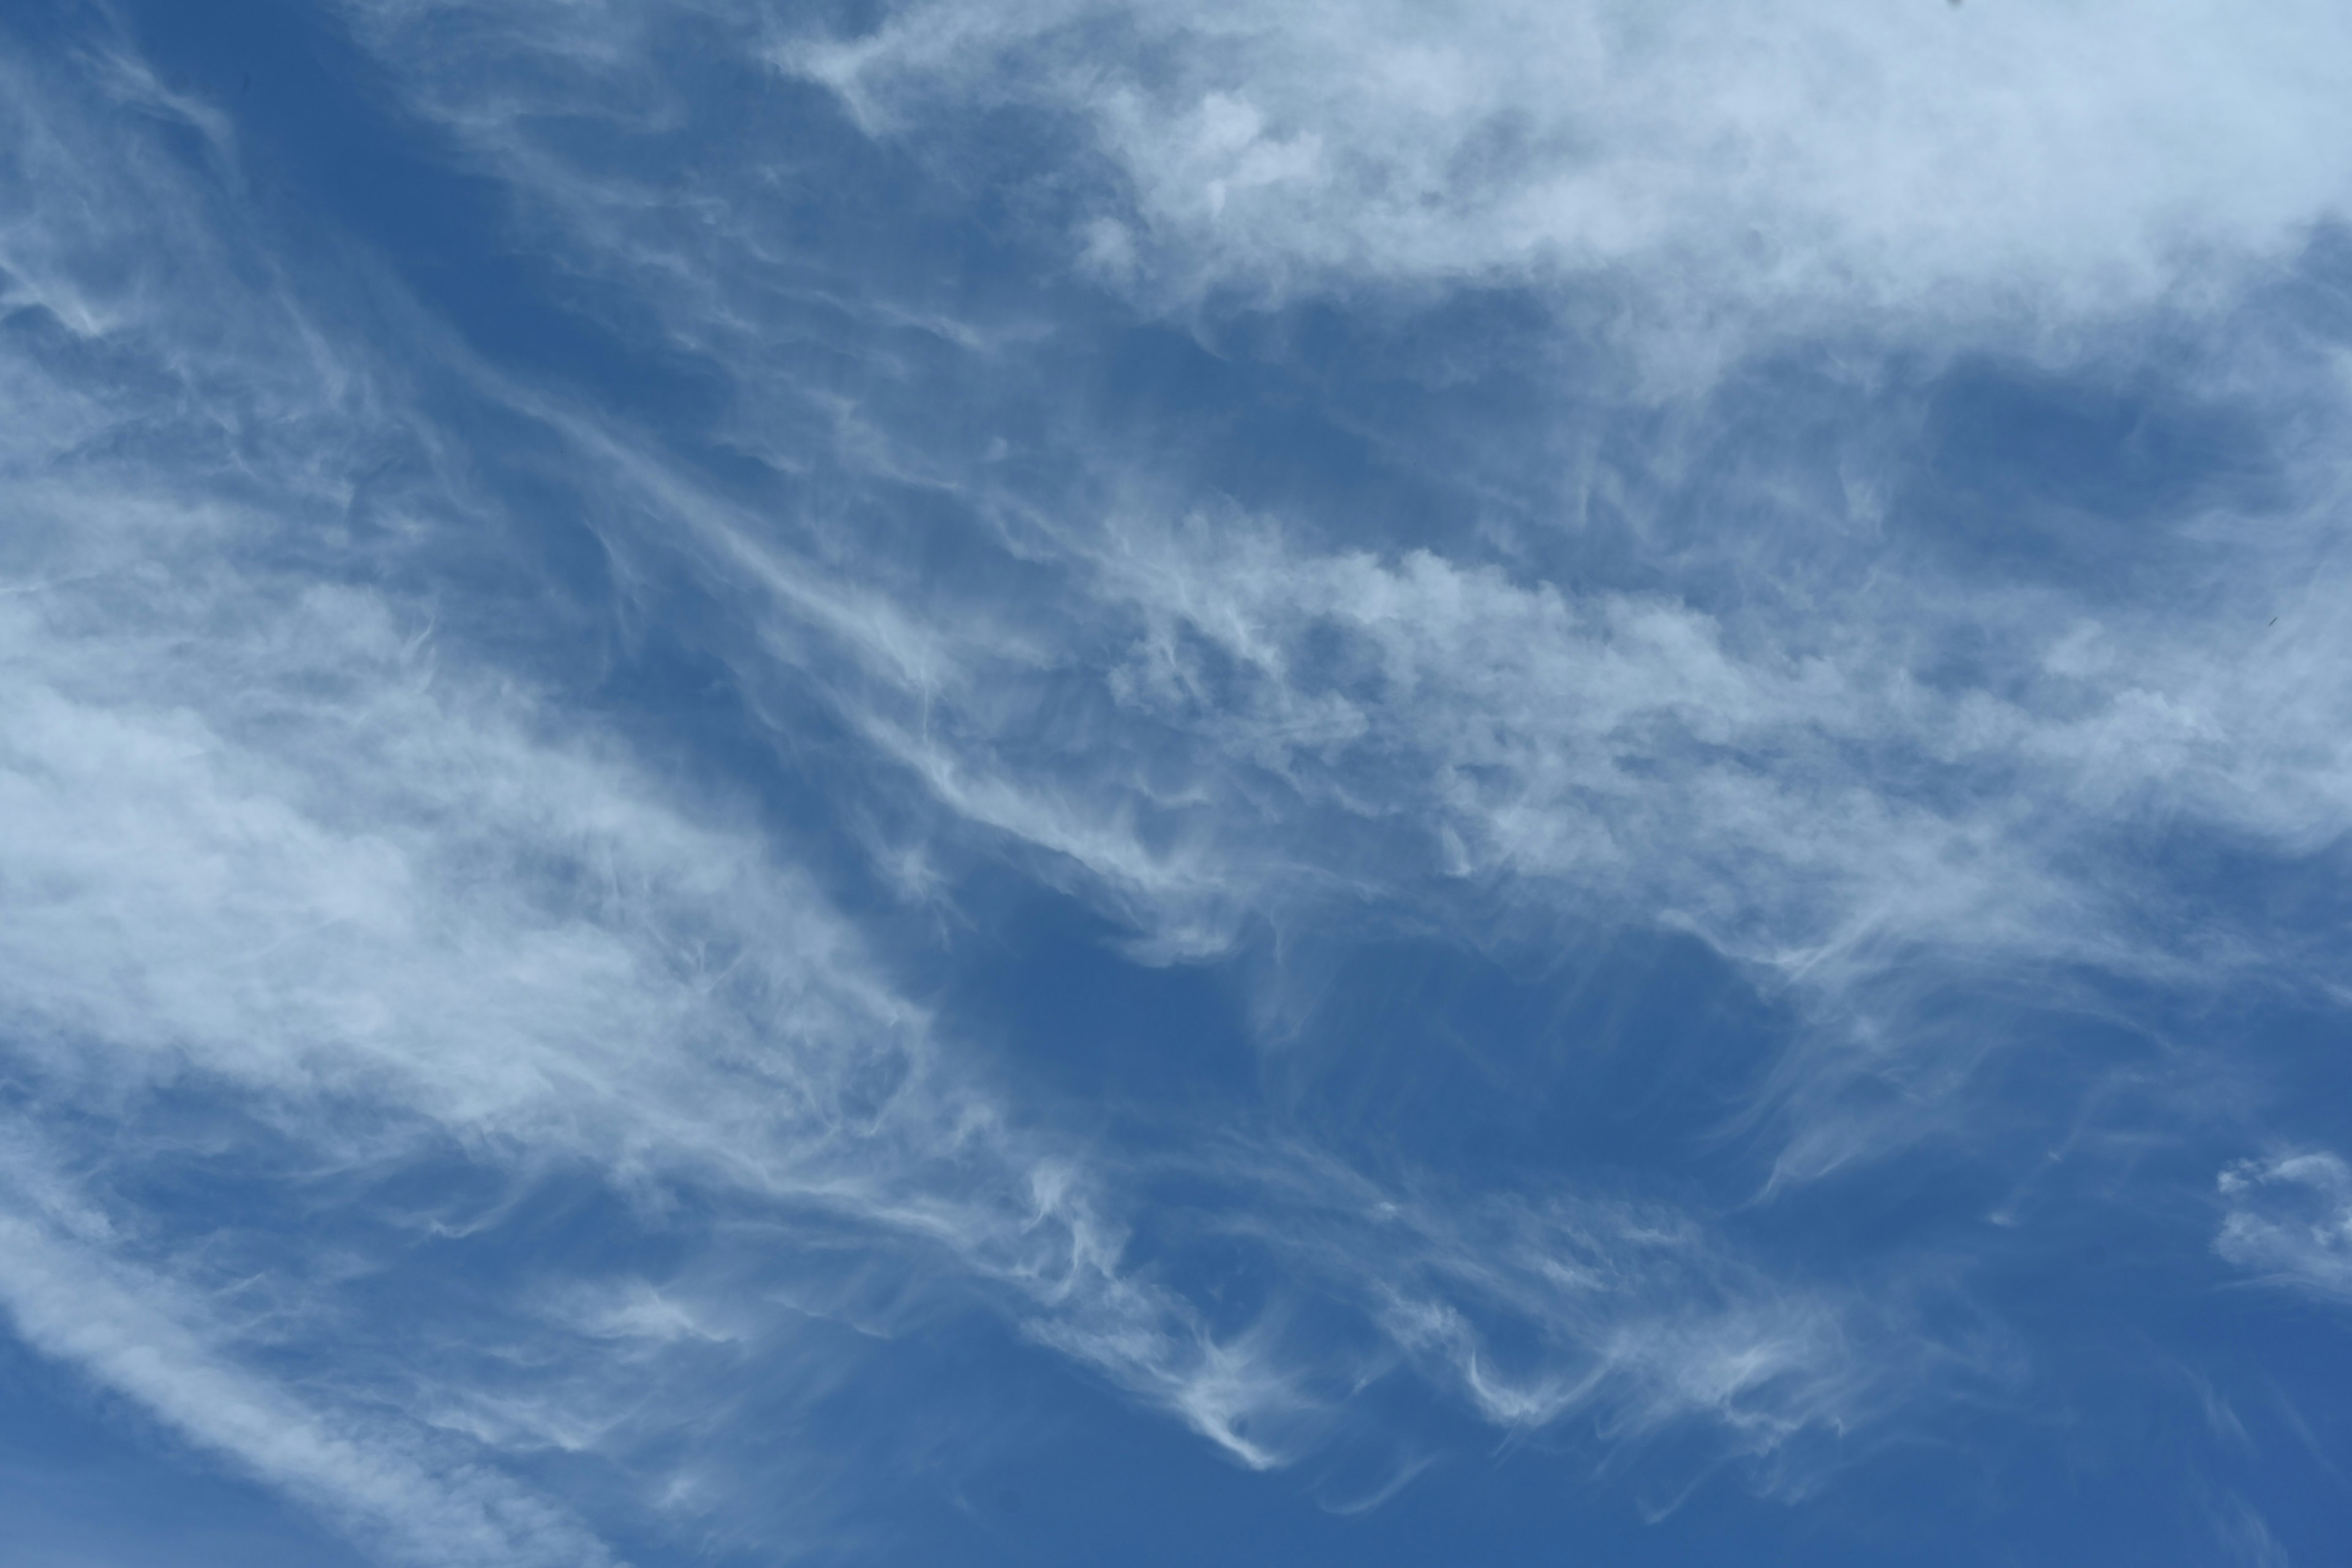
{"x": 1797, "y": 158}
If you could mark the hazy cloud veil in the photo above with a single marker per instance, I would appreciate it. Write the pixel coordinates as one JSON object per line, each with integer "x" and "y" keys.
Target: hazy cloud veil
{"x": 1062, "y": 782}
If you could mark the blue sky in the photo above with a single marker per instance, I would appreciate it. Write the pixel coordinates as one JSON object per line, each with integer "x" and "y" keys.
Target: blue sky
{"x": 1054, "y": 782}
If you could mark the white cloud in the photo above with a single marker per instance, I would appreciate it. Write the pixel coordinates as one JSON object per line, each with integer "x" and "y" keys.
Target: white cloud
{"x": 272, "y": 834}
{"x": 265, "y": 833}
{"x": 1533, "y": 1307}
{"x": 264, "y": 827}
{"x": 139, "y": 1335}
{"x": 1715, "y": 165}
{"x": 2290, "y": 1222}
{"x": 1272, "y": 724}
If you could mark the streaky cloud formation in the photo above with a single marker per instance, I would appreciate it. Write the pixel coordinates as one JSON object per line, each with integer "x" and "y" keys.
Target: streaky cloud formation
{"x": 1012, "y": 782}
{"x": 128, "y": 1328}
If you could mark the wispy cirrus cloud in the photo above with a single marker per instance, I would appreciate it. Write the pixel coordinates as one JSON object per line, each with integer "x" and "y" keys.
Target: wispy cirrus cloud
{"x": 268, "y": 835}
{"x": 327, "y": 793}
{"x": 1845, "y": 769}
{"x": 2290, "y": 1222}
{"x": 144, "y": 1337}
{"x": 279, "y": 833}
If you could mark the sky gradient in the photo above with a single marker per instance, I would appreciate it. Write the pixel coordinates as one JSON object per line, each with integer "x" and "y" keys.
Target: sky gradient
{"x": 1063, "y": 782}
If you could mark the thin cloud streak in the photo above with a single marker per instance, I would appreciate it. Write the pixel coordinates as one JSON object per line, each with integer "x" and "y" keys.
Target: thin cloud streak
{"x": 133, "y": 1332}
